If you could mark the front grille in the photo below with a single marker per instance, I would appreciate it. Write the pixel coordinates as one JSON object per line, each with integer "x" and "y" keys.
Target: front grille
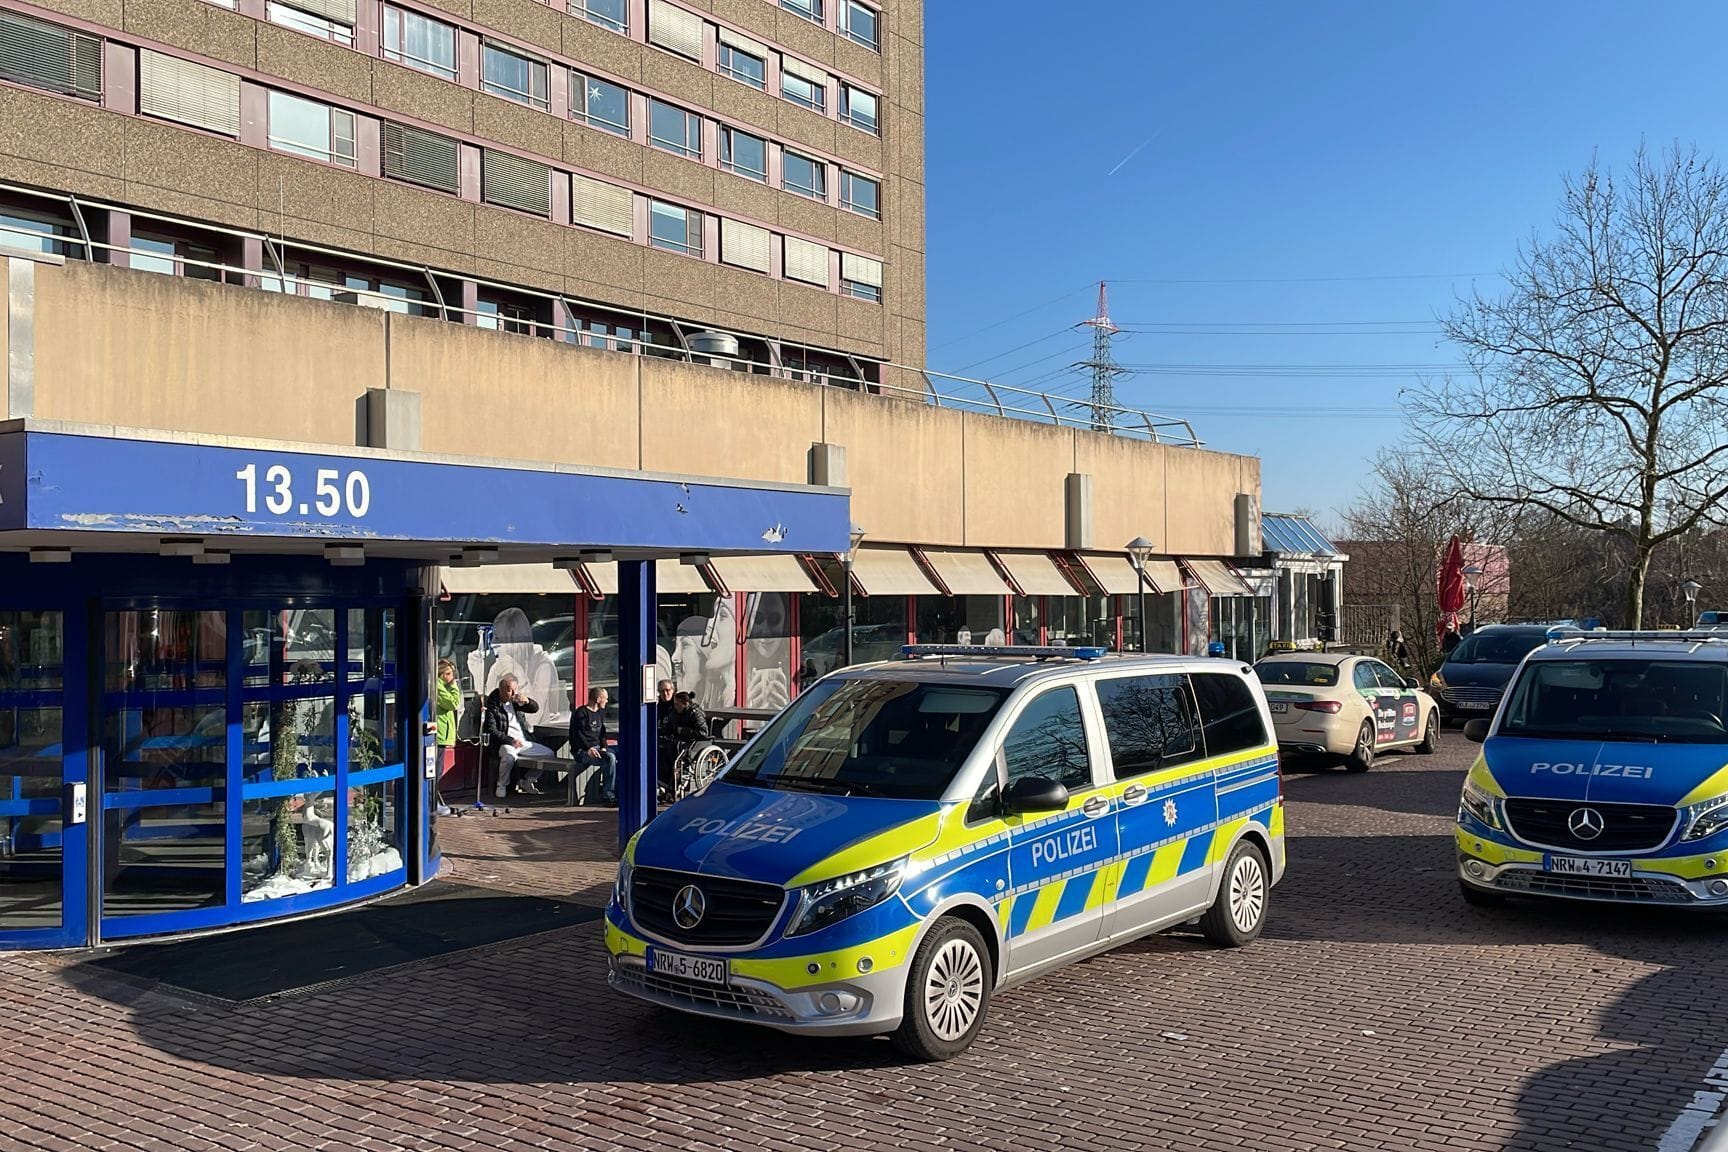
{"x": 731, "y": 998}
{"x": 1470, "y": 695}
{"x": 1625, "y": 827}
{"x": 735, "y": 911}
{"x": 1639, "y": 889}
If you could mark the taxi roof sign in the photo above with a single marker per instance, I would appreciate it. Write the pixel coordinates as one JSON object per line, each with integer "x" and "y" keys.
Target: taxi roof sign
{"x": 1009, "y": 651}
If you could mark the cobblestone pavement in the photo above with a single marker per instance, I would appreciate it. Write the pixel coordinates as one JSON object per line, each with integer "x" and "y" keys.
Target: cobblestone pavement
{"x": 1377, "y": 1013}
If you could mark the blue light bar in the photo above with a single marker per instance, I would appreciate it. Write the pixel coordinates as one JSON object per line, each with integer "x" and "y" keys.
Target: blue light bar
{"x": 1032, "y": 651}
{"x": 1693, "y": 636}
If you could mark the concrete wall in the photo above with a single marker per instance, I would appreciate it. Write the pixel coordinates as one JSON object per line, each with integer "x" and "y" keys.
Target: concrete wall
{"x": 122, "y": 347}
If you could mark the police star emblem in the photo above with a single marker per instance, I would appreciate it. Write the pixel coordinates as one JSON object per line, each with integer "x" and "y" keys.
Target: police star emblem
{"x": 1170, "y": 813}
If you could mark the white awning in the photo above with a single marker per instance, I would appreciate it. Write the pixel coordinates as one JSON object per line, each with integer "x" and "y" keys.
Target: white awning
{"x": 1036, "y": 573}
{"x": 504, "y": 579}
{"x": 778, "y": 573}
{"x": 1165, "y": 576}
{"x": 669, "y": 576}
{"x": 1260, "y": 581}
{"x": 890, "y": 572}
{"x": 1114, "y": 573}
{"x": 967, "y": 573}
{"x": 1215, "y": 576}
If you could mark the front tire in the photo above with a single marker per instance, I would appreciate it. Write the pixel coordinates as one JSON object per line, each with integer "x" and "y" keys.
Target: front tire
{"x": 1361, "y": 757}
{"x": 1239, "y": 912}
{"x": 1431, "y": 738}
{"x": 948, "y": 987}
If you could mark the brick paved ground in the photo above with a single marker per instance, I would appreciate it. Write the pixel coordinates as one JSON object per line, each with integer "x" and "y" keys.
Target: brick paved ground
{"x": 1378, "y": 1013}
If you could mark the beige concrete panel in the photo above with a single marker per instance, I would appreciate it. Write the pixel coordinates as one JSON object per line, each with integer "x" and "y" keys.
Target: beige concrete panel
{"x": 860, "y": 232}
{"x": 1200, "y": 508}
{"x": 804, "y": 215}
{"x": 588, "y": 43}
{"x": 422, "y": 97}
{"x": 907, "y": 138}
{"x": 751, "y": 15}
{"x": 736, "y": 196}
{"x": 857, "y": 60}
{"x": 910, "y": 346}
{"x": 603, "y": 153}
{"x": 906, "y": 213}
{"x": 905, "y": 462}
{"x": 308, "y": 191}
{"x": 749, "y": 295}
{"x": 600, "y": 259}
{"x": 197, "y": 27}
{"x": 906, "y": 72}
{"x": 678, "y": 278}
{"x": 462, "y": 8}
{"x": 517, "y": 125}
{"x": 539, "y": 278}
{"x": 766, "y": 434}
{"x": 108, "y": 13}
{"x": 904, "y": 382}
{"x": 742, "y": 102}
{"x": 811, "y": 309}
{"x": 329, "y": 235}
{"x": 859, "y": 148}
{"x": 525, "y": 20}
{"x": 905, "y": 290}
{"x": 679, "y": 178}
{"x": 536, "y": 247}
{"x": 35, "y": 127}
{"x": 1015, "y": 476}
{"x": 623, "y": 299}
{"x": 195, "y": 207}
{"x": 162, "y": 155}
{"x": 1130, "y": 492}
{"x": 802, "y": 126}
{"x": 679, "y": 79}
{"x": 184, "y": 346}
{"x": 315, "y": 63}
{"x": 471, "y": 380}
{"x": 89, "y": 184}
{"x": 864, "y": 324}
{"x": 906, "y": 18}
{"x": 804, "y": 38}
{"x": 404, "y": 212}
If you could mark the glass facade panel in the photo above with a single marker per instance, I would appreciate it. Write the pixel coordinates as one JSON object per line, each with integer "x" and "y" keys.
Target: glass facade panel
{"x": 374, "y": 830}
{"x": 167, "y": 858}
{"x": 768, "y": 649}
{"x": 535, "y": 637}
{"x": 698, "y": 648}
{"x": 961, "y": 620}
{"x": 30, "y": 857}
{"x": 158, "y": 650}
{"x": 32, "y": 651}
{"x": 879, "y": 631}
{"x": 288, "y": 845}
{"x": 419, "y": 42}
{"x": 599, "y": 104}
{"x": 1164, "y": 632}
{"x": 804, "y": 176}
{"x": 743, "y": 67}
{"x": 802, "y": 91}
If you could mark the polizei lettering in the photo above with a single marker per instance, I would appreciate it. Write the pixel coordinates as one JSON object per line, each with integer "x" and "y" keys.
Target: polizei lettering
{"x": 743, "y": 830}
{"x": 1627, "y": 771}
{"x": 1061, "y": 846}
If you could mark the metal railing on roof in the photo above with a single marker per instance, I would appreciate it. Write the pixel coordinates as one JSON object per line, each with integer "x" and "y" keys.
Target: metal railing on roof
{"x": 968, "y": 394}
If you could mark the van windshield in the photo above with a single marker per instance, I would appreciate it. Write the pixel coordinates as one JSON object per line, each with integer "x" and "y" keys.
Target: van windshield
{"x": 1679, "y": 701}
{"x": 870, "y": 737}
{"x": 1496, "y": 647}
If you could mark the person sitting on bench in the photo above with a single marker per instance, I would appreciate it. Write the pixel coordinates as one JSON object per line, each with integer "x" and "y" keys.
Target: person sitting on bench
{"x": 502, "y": 725}
{"x": 588, "y": 742}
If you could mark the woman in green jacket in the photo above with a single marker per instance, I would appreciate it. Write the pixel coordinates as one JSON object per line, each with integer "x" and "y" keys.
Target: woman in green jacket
{"x": 447, "y": 705}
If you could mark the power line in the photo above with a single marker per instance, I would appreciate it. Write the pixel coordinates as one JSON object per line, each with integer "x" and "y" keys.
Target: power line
{"x": 1064, "y": 331}
{"x": 1311, "y": 279}
{"x": 1009, "y": 320}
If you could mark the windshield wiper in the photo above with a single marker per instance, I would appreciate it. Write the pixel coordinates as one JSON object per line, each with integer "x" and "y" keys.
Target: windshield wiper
{"x": 807, "y": 784}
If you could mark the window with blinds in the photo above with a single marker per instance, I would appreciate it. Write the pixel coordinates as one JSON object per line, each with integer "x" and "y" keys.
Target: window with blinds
{"x": 595, "y": 204}
{"x": 47, "y": 56}
{"x": 675, "y": 29}
{"x": 806, "y": 261}
{"x": 423, "y": 158}
{"x": 191, "y": 93}
{"x": 861, "y": 276}
{"x": 744, "y": 245}
{"x": 512, "y": 182}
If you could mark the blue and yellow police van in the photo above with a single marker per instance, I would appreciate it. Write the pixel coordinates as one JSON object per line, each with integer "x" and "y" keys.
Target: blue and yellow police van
{"x": 909, "y": 837}
{"x": 1604, "y": 774}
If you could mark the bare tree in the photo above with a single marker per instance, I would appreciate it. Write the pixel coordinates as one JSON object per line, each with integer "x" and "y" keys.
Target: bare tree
{"x": 1601, "y": 373}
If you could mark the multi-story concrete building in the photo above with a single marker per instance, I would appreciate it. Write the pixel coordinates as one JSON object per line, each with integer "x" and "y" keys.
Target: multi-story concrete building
{"x": 337, "y": 330}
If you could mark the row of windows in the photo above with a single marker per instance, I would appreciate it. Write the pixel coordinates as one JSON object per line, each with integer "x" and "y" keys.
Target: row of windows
{"x": 209, "y": 98}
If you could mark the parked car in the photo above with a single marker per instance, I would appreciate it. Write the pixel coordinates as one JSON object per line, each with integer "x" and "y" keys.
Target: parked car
{"x": 1339, "y": 706}
{"x": 1474, "y": 677}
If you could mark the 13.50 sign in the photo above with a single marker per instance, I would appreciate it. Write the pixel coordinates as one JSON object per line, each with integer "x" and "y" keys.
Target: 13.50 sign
{"x": 332, "y": 493}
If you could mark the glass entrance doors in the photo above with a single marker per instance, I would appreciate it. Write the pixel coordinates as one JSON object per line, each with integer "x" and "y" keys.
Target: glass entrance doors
{"x": 41, "y": 783}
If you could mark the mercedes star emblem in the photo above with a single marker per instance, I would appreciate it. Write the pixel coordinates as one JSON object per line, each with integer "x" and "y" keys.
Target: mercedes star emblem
{"x": 1585, "y": 823}
{"x": 688, "y": 906}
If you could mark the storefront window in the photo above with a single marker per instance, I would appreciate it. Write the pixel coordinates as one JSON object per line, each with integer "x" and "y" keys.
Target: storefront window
{"x": 1163, "y": 633}
{"x": 960, "y": 620}
{"x": 879, "y": 632}
{"x": 698, "y": 646}
{"x": 1199, "y": 606}
{"x": 32, "y": 653}
{"x": 535, "y": 638}
{"x": 1077, "y": 621}
{"x": 768, "y": 650}
{"x": 1240, "y": 624}
{"x": 1028, "y": 619}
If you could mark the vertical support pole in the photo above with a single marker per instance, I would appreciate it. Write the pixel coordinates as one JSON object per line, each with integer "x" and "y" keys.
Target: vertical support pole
{"x": 1144, "y": 622}
{"x": 846, "y": 649}
{"x": 638, "y": 750}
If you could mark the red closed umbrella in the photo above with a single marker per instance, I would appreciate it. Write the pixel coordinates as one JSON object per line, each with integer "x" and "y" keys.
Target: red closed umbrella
{"x": 1451, "y": 590}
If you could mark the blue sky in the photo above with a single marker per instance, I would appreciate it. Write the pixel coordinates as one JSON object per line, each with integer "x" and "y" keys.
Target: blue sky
{"x": 1347, "y": 168}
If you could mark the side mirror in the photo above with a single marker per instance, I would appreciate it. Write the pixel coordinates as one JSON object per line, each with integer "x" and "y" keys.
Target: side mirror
{"x": 1412, "y": 682}
{"x": 1034, "y": 794}
{"x": 1476, "y": 731}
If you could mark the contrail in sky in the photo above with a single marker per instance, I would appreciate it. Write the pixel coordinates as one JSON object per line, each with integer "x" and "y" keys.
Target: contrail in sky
{"x": 1132, "y": 154}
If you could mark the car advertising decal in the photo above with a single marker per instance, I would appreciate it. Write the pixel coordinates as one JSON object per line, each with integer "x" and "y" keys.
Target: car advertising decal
{"x": 1408, "y": 715}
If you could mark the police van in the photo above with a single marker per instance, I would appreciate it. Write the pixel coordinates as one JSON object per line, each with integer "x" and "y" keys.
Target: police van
{"x": 1604, "y": 775}
{"x": 908, "y": 838}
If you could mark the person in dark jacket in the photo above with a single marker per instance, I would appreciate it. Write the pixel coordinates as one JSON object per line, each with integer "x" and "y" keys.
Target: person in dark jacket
{"x": 684, "y": 724}
{"x": 507, "y": 735}
{"x": 588, "y": 742}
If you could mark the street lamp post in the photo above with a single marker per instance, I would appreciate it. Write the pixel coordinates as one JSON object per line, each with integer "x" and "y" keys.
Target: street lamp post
{"x": 1690, "y": 590}
{"x": 857, "y": 537}
{"x": 1471, "y": 571}
{"x": 1140, "y": 550}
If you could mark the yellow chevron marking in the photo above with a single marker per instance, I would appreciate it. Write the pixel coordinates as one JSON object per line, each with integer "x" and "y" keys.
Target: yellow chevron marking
{"x": 1222, "y": 837}
{"x": 1165, "y": 861}
{"x": 1044, "y": 911}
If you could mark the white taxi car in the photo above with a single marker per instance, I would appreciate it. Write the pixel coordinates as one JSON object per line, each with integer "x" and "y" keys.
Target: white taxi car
{"x": 1338, "y": 705}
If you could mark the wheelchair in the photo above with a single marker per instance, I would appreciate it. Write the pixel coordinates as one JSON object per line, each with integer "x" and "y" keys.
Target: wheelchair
{"x": 694, "y": 768}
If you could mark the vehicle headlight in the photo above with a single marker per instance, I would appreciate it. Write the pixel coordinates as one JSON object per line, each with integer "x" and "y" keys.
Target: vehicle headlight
{"x": 1706, "y": 818}
{"x": 832, "y": 901}
{"x": 1481, "y": 805}
{"x": 1435, "y": 682}
{"x": 621, "y": 885}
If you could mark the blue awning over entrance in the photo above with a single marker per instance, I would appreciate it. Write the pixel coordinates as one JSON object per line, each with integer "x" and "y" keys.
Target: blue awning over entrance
{"x": 58, "y": 480}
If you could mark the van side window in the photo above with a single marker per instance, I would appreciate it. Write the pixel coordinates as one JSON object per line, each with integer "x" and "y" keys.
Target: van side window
{"x": 1229, "y": 713}
{"x": 1049, "y": 740}
{"x": 1150, "y": 721}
